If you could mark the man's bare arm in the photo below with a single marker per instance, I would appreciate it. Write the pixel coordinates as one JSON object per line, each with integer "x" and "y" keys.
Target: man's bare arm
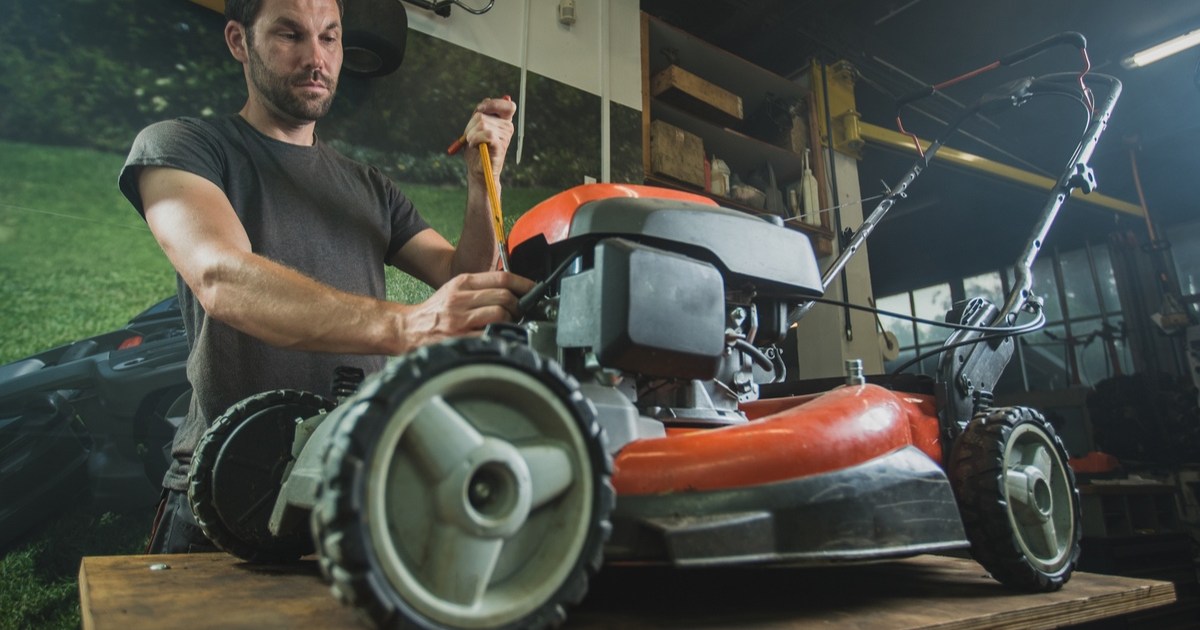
{"x": 428, "y": 256}
{"x": 201, "y": 235}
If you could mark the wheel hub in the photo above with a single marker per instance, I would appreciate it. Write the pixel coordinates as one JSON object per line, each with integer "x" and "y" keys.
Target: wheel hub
{"x": 490, "y": 494}
{"x": 1035, "y": 500}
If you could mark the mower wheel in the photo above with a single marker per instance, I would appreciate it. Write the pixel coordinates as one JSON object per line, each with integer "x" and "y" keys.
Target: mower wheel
{"x": 466, "y": 486}
{"x": 1019, "y": 504}
{"x": 238, "y": 470}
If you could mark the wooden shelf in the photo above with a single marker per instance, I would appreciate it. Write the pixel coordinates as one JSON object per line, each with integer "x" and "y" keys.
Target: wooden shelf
{"x": 733, "y": 204}
{"x": 743, "y": 153}
{"x": 752, "y": 83}
{"x": 747, "y": 146}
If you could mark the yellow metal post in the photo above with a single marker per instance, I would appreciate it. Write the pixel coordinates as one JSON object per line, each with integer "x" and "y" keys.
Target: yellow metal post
{"x": 845, "y": 118}
{"x": 896, "y": 140}
{"x": 850, "y": 135}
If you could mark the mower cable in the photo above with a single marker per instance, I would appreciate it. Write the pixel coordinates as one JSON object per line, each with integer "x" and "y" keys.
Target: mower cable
{"x": 758, "y": 356}
{"x": 539, "y": 290}
{"x": 1002, "y": 332}
{"x": 859, "y": 202}
{"x": 1006, "y": 330}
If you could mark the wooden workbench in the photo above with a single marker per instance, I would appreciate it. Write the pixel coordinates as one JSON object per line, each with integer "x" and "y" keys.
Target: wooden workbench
{"x": 217, "y": 590}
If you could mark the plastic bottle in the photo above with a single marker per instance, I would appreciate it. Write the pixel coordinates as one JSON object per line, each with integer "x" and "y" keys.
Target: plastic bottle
{"x": 720, "y": 177}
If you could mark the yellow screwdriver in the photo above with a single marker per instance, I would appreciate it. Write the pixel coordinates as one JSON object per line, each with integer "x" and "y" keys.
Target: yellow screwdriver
{"x": 493, "y": 194}
{"x": 494, "y": 203}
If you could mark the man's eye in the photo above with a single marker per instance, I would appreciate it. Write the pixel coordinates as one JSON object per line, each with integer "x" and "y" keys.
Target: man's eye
{"x": 288, "y": 35}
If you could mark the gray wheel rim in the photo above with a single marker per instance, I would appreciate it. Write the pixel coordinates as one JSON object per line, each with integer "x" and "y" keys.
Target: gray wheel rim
{"x": 1039, "y": 497}
{"x": 479, "y": 496}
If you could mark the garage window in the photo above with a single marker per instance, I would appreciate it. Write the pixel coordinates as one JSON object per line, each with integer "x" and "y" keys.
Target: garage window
{"x": 1081, "y": 344}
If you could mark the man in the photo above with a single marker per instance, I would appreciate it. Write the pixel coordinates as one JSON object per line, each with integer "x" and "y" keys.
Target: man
{"x": 279, "y": 242}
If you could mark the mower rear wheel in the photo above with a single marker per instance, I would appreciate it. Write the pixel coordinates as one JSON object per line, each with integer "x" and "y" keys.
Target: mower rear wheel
{"x": 466, "y": 486}
{"x": 1018, "y": 499}
{"x": 238, "y": 469}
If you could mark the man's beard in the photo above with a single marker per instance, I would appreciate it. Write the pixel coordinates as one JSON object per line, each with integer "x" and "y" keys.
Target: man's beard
{"x": 277, "y": 90}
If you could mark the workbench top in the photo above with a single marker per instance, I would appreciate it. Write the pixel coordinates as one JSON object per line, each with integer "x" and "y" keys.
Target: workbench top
{"x": 218, "y": 590}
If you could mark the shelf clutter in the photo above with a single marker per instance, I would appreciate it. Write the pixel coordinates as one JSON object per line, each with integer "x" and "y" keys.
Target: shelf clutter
{"x": 720, "y": 126}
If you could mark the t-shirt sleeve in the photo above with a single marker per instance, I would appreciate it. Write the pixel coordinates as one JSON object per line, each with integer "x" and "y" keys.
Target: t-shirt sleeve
{"x": 406, "y": 221}
{"x": 186, "y": 144}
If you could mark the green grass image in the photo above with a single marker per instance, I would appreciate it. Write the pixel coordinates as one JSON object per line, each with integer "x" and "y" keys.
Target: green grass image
{"x": 76, "y": 260}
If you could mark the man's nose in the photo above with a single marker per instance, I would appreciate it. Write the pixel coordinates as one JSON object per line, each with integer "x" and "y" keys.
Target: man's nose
{"x": 318, "y": 55}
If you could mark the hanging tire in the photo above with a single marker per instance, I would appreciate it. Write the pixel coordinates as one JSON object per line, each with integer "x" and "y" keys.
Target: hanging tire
{"x": 1018, "y": 499}
{"x": 238, "y": 470}
{"x": 466, "y": 486}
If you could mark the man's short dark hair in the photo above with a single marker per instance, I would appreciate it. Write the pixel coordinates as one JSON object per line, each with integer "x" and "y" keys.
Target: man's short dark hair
{"x": 245, "y": 12}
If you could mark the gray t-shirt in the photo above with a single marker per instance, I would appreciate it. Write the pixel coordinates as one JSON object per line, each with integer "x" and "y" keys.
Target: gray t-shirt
{"x": 306, "y": 207}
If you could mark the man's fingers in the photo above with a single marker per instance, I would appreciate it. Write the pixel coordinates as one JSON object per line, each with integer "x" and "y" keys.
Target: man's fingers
{"x": 518, "y": 285}
{"x": 480, "y": 318}
{"x": 499, "y": 107}
{"x": 490, "y": 131}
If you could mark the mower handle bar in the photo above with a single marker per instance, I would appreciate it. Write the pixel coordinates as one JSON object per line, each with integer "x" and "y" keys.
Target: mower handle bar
{"x": 1071, "y": 38}
{"x": 1076, "y": 174}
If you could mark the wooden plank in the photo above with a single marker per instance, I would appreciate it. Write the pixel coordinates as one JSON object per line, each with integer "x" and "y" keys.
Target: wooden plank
{"x": 923, "y": 592}
{"x": 696, "y": 95}
{"x": 677, "y": 153}
{"x": 207, "y": 590}
{"x": 672, "y": 46}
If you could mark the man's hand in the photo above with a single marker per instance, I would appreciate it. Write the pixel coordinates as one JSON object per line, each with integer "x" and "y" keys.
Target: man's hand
{"x": 464, "y": 306}
{"x": 491, "y": 123}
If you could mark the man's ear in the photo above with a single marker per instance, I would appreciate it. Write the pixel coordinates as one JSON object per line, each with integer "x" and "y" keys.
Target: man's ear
{"x": 235, "y": 38}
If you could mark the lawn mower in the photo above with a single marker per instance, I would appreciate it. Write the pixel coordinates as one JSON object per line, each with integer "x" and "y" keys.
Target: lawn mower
{"x": 478, "y": 483}
{"x": 94, "y": 416}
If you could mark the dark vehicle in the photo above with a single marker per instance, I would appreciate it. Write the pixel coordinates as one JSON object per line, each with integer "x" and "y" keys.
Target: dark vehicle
{"x": 95, "y": 416}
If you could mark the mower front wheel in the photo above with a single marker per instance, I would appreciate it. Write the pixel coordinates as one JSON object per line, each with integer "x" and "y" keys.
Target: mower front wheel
{"x": 1018, "y": 500}
{"x": 467, "y": 486}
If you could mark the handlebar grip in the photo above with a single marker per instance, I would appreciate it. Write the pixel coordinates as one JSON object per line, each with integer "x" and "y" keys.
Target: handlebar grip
{"x": 1068, "y": 37}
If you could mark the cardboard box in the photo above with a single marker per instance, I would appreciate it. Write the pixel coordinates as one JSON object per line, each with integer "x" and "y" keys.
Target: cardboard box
{"x": 676, "y": 153}
{"x": 697, "y": 96}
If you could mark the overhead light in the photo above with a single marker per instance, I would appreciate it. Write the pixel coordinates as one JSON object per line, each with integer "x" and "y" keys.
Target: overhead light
{"x": 1165, "y": 49}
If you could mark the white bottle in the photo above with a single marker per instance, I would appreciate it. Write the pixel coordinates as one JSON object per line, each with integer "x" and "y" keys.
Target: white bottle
{"x": 720, "y": 177}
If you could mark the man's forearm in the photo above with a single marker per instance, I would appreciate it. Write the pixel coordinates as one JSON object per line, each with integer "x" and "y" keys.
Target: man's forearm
{"x": 288, "y": 309}
{"x": 477, "y": 248}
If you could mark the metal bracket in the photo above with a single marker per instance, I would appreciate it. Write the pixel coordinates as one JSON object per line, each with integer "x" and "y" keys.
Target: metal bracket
{"x": 967, "y": 374}
{"x": 846, "y": 120}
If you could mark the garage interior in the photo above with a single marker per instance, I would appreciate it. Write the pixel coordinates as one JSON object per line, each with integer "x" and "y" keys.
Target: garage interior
{"x": 737, "y": 100}
{"x": 1111, "y": 377}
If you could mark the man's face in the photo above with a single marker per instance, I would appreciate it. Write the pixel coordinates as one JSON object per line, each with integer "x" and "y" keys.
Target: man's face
{"x": 295, "y": 56}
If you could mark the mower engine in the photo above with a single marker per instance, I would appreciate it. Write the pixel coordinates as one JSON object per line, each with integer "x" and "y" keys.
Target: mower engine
{"x": 668, "y": 311}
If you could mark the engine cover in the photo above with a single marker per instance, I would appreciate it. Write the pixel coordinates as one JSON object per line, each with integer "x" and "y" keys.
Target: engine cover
{"x": 646, "y": 310}
{"x": 754, "y": 254}
{"x": 774, "y": 259}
